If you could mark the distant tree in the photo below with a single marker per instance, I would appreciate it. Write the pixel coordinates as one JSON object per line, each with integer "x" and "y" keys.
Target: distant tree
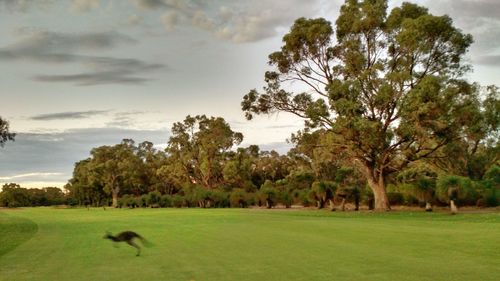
{"x": 13, "y": 195}
{"x": 389, "y": 88}
{"x": 85, "y": 187}
{"x": 5, "y": 135}
{"x": 115, "y": 168}
{"x": 239, "y": 166}
{"x": 197, "y": 148}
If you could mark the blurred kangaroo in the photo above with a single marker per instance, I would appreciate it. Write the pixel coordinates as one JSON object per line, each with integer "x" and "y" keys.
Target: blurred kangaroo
{"x": 127, "y": 236}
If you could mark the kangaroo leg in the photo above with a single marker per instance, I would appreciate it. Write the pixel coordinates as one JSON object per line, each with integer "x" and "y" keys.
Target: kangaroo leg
{"x": 131, "y": 243}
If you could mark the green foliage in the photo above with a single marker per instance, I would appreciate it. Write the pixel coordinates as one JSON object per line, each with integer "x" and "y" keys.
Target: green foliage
{"x": 322, "y": 191}
{"x": 178, "y": 201}
{"x": 268, "y": 194}
{"x": 396, "y": 198}
{"x": 166, "y": 201}
{"x": 197, "y": 148}
{"x": 153, "y": 198}
{"x": 239, "y": 198}
{"x": 5, "y": 134}
{"x": 451, "y": 187}
{"x": 492, "y": 176}
{"x": 13, "y": 196}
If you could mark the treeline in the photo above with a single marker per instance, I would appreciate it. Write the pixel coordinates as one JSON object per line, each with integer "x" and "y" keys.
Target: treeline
{"x": 13, "y": 195}
{"x": 201, "y": 167}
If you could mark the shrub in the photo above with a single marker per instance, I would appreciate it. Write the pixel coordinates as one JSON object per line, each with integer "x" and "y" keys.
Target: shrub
{"x": 285, "y": 198}
{"x": 460, "y": 189}
{"x": 153, "y": 198}
{"x": 239, "y": 198}
{"x": 322, "y": 191}
{"x": 491, "y": 197}
{"x": 395, "y": 198}
{"x": 166, "y": 201}
{"x": 177, "y": 201}
{"x": 219, "y": 198}
{"x": 142, "y": 201}
{"x": 268, "y": 194}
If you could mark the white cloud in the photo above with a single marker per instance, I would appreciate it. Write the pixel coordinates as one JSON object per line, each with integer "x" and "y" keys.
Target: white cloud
{"x": 170, "y": 20}
{"x": 29, "y": 175}
{"x": 84, "y": 5}
{"x": 202, "y": 21}
{"x": 134, "y": 19}
{"x": 477, "y": 17}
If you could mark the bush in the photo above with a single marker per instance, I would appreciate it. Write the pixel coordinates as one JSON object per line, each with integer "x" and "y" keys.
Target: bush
{"x": 460, "y": 189}
{"x": 411, "y": 200}
{"x": 177, "y": 201}
{"x": 322, "y": 191}
{"x": 142, "y": 201}
{"x": 219, "y": 198}
{"x": 285, "y": 198}
{"x": 395, "y": 198}
{"x": 267, "y": 194}
{"x": 166, "y": 201}
{"x": 239, "y": 198}
{"x": 153, "y": 198}
{"x": 491, "y": 197}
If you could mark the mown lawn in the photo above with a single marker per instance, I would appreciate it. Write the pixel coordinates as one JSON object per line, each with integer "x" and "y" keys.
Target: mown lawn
{"x": 248, "y": 244}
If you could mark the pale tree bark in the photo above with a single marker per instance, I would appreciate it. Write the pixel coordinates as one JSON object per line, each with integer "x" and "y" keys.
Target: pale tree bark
{"x": 376, "y": 182}
{"x": 115, "y": 189}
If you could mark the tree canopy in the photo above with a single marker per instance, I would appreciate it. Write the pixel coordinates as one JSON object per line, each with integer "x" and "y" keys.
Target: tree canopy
{"x": 5, "y": 134}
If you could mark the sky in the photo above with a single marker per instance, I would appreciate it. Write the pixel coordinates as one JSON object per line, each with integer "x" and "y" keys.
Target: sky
{"x": 78, "y": 74}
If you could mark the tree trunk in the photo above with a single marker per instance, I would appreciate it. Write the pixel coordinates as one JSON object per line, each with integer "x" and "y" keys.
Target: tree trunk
{"x": 453, "y": 207}
{"x": 379, "y": 194}
{"x": 376, "y": 182}
{"x": 114, "y": 194}
{"x": 428, "y": 207}
{"x": 114, "y": 204}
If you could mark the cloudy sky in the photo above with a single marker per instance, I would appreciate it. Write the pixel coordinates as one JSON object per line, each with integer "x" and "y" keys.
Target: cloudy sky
{"x": 83, "y": 73}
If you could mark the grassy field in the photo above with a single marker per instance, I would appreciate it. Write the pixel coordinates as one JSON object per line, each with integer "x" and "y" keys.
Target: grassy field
{"x": 243, "y": 244}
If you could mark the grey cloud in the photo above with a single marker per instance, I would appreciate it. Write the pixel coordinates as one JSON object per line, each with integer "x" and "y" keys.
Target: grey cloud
{"x": 106, "y": 70}
{"x": 21, "y": 5}
{"x": 57, "y": 152}
{"x": 124, "y": 119}
{"x": 68, "y": 115}
{"x": 280, "y": 147}
{"x": 242, "y": 22}
{"x": 170, "y": 20}
{"x": 236, "y": 21}
{"x": 469, "y": 8}
{"x": 151, "y": 4}
{"x": 60, "y": 48}
{"x": 492, "y": 60}
{"x": 479, "y": 17}
{"x": 95, "y": 78}
{"x": 184, "y": 6}
{"x": 202, "y": 21}
{"x": 85, "y": 5}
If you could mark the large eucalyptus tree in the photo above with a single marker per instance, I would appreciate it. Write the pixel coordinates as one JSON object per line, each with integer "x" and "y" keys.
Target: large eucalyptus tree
{"x": 389, "y": 87}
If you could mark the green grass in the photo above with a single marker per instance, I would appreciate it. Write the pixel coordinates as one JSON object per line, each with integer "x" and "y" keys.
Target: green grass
{"x": 234, "y": 244}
